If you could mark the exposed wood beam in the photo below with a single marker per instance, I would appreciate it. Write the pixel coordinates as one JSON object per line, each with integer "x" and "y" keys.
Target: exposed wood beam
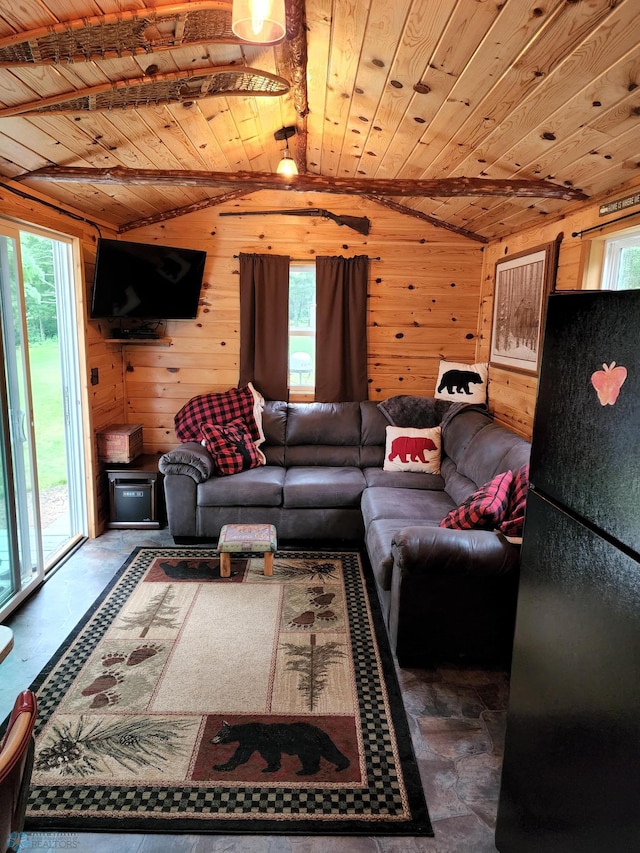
{"x": 419, "y": 214}
{"x": 181, "y": 211}
{"x": 251, "y": 181}
{"x": 291, "y": 64}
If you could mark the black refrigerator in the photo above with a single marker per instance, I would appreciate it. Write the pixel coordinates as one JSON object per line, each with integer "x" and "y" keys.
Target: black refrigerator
{"x": 571, "y": 771}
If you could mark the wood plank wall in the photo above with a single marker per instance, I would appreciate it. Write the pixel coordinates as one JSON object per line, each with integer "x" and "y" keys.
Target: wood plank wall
{"x": 431, "y": 297}
{"x": 423, "y": 303}
{"x": 512, "y": 396}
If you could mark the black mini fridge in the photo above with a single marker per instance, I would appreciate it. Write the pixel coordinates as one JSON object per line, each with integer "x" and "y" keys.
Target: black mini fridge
{"x": 571, "y": 771}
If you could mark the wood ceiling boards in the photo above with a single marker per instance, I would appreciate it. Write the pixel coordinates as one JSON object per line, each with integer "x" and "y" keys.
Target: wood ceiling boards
{"x": 451, "y": 91}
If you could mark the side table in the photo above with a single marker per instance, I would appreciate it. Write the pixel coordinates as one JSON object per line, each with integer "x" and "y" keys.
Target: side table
{"x": 135, "y": 493}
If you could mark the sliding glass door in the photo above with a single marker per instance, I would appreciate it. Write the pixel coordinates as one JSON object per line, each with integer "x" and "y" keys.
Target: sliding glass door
{"x": 22, "y": 565}
{"x": 43, "y": 502}
{"x": 10, "y": 581}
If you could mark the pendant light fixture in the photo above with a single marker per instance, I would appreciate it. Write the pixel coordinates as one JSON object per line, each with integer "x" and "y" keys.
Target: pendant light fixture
{"x": 259, "y": 21}
{"x": 287, "y": 166}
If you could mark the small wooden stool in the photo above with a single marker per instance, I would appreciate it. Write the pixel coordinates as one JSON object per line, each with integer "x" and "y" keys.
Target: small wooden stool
{"x": 256, "y": 538}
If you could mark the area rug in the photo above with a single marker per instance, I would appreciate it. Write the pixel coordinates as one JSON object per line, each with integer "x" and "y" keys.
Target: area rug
{"x": 187, "y": 702}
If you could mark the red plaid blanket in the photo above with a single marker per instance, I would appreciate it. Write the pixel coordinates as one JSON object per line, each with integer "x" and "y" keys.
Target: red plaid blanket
{"x": 245, "y": 403}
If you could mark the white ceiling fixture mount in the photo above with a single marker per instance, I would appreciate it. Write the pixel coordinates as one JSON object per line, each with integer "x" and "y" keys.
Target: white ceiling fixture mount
{"x": 259, "y": 21}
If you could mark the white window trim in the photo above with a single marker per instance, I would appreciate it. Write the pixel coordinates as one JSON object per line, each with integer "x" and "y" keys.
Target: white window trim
{"x": 613, "y": 247}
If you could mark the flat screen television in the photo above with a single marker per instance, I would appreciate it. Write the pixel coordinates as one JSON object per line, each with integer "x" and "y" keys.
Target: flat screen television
{"x": 146, "y": 280}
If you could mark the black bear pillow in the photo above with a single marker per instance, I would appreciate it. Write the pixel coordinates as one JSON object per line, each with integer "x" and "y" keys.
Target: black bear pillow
{"x": 462, "y": 383}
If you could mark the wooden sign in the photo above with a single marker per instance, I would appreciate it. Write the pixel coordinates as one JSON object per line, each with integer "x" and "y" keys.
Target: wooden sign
{"x": 620, "y": 204}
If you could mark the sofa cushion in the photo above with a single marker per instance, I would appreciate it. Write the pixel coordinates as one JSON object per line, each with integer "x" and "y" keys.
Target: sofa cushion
{"x": 402, "y": 479}
{"x": 411, "y": 449}
{"x": 323, "y": 487}
{"x": 322, "y": 455}
{"x": 255, "y": 487}
{"x": 492, "y": 451}
{"x": 456, "y": 486}
{"x": 323, "y": 423}
{"x": 372, "y": 425}
{"x": 416, "y": 506}
{"x": 459, "y": 429}
{"x": 274, "y": 424}
{"x": 372, "y": 456}
{"x": 485, "y": 508}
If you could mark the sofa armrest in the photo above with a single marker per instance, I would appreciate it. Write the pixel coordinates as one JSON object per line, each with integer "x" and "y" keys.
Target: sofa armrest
{"x": 191, "y": 459}
{"x": 440, "y": 550}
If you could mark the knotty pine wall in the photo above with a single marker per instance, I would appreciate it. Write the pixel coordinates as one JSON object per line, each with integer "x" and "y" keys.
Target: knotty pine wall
{"x": 423, "y": 300}
{"x": 512, "y": 396}
{"x": 431, "y": 296}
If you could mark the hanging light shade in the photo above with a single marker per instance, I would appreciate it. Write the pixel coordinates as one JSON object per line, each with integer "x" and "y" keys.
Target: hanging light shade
{"x": 259, "y": 21}
{"x": 287, "y": 166}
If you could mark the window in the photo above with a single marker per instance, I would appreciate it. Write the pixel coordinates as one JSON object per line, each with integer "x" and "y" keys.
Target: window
{"x": 621, "y": 270}
{"x": 302, "y": 327}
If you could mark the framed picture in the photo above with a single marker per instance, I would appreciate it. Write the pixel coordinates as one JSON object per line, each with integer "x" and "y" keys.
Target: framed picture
{"x": 522, "y": 284}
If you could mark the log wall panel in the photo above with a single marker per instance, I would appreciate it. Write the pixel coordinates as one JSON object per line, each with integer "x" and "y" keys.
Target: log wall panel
{"x": 431, "y": 297}
{"x": 421, "y": 309}
{"x": 512, "y": 395}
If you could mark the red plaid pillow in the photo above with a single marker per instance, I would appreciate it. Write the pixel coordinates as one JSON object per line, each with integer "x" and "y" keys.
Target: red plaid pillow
{"x": 485, "y": 508}
{"x": 244, "y": 403}
{"x": 231, "y": 446}
{"x": 514, "y": 516}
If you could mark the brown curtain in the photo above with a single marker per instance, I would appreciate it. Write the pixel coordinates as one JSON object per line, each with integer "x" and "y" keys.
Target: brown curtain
{"x": 341, "y": 329}
{"x": 264, "y": 324}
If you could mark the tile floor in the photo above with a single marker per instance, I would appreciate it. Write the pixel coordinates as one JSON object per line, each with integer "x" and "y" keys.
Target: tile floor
{"x": 457, "y": 718}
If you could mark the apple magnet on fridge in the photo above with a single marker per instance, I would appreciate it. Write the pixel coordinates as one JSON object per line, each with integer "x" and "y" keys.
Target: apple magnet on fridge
{"x": 608, "y": 382}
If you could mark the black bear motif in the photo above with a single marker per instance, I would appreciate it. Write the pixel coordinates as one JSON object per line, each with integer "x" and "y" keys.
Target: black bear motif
{"x": 460, "y": 380}
{"x": 187, "y": 569}
{"x": 270, "y": 740}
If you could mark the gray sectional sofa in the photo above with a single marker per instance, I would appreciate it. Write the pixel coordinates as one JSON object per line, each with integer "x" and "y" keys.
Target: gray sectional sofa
{"x": 445, "y": 594}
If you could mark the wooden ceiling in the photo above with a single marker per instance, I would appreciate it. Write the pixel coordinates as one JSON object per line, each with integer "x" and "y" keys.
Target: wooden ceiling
{"x": 481, "y": 115}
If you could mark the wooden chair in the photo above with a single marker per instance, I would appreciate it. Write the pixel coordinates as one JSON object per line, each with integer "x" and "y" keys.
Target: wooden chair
{"x": 16, "y": 763}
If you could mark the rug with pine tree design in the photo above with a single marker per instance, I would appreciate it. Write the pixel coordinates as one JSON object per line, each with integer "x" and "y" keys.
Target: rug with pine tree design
{"x": 189, "y": 702}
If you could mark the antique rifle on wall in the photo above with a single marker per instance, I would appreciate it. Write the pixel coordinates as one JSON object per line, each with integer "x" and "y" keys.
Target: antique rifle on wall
{"x": 360, "y": 224}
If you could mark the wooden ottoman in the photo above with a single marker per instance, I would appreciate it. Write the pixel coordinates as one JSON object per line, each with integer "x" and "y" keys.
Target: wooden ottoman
{"x": 255, "y": 538}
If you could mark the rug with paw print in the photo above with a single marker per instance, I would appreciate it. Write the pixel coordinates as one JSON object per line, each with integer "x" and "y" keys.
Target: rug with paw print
{"x": 244, "y": 704}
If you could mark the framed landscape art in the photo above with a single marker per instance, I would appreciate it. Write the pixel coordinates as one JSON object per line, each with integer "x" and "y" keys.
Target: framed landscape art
{"x": 522, "y": 284}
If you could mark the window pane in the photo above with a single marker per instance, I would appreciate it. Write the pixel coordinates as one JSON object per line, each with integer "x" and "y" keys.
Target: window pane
{"x": 302, "y": 324}
{"x": 629, "y": 274}
{"x": 622, "y": 263}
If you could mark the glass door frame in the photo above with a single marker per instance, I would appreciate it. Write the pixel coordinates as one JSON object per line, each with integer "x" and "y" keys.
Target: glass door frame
{"x": 68, "y": 277}
{"x": 20, "y": 461}
{"x": 6, "y": 472}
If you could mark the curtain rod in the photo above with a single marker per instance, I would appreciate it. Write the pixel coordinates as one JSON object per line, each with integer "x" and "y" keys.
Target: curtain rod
{"x": 306, "y": 260}
{"x": 605, "y": 224}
